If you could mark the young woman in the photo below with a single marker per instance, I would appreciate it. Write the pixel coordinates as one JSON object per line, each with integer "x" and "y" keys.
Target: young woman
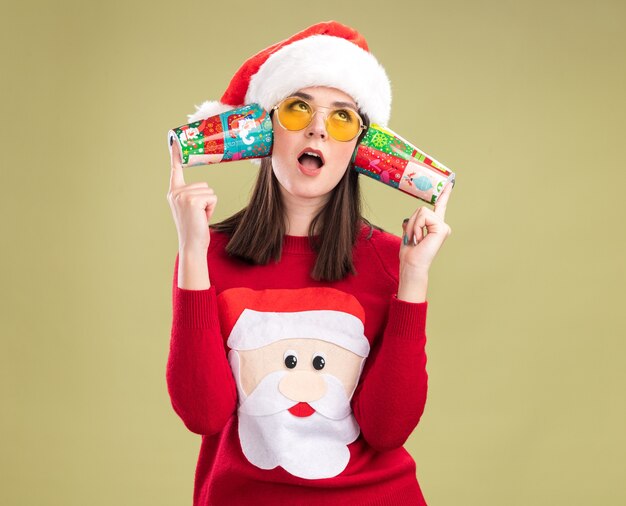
{"x": 298, "y": 335}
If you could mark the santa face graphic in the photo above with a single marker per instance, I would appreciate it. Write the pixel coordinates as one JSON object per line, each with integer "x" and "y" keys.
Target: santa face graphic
{"x": 294, "y": 405}
{"x": 296, "y": 356}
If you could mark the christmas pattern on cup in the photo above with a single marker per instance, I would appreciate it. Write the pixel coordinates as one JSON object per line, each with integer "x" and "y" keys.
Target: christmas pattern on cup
{"x": 241, "y": 133}
{"x": 390, "y": 159}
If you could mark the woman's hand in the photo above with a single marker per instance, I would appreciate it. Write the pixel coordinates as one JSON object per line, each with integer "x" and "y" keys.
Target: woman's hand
{"x": 192, "y": 207}
{"x": 423, "y": 235}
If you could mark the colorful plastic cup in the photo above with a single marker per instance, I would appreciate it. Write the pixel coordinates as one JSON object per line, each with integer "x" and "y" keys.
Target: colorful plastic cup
{"x": 242, "y": 133}
{"x": 385, "y": 156}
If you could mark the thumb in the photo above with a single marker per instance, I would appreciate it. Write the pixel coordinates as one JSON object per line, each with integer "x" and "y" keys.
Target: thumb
{"x": 210, "y": 207}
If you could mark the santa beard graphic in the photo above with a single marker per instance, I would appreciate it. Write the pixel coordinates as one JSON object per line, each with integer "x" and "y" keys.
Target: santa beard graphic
{"x": 311, "y": 447}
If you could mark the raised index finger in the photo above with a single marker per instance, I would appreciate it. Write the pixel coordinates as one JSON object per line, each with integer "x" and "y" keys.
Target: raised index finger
{"x": 176, "y": 176}
{"x": 442, "y": 201}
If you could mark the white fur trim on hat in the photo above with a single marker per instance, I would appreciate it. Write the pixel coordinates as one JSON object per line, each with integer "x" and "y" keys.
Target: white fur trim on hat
{"x": 255, "y": 329}
{"x": 324, "y": 60}
{"x": 208, "y": 109}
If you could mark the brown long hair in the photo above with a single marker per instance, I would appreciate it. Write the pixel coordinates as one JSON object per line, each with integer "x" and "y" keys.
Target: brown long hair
{"x": 256, "y": 232}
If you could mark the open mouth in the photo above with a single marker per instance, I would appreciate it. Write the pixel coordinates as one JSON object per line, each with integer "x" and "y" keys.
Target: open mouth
{"x": 311, "y": 159}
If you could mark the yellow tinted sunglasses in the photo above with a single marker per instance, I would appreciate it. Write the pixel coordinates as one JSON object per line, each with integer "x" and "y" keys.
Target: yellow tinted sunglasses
{"x": 342, "y": 124}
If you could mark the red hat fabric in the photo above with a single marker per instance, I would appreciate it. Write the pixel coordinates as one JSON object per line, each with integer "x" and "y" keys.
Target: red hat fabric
{"x": 250, "y": 319}
{"x": 325, "y": 54}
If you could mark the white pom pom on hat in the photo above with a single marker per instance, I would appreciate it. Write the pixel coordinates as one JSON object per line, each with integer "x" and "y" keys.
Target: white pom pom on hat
{"x": 325, "y": 54}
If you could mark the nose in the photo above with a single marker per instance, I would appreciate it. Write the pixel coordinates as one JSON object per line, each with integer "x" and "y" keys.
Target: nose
{"x": 317, "y": 127}
{"x": 302, "y": 386}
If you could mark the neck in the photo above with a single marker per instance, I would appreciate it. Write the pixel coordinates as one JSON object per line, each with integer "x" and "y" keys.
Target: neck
{"x": 300, "y": 211}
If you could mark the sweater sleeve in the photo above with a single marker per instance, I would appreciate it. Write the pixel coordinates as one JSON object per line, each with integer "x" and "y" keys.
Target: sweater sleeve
{"x": 199, "y": 379}
{"x": 391, "y": 396}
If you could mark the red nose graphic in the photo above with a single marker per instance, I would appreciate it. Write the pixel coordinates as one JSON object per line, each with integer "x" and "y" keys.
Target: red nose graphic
{"x": 301, "y": 409}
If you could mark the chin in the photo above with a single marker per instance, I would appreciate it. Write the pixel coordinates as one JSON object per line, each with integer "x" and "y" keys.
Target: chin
{"x": 305, "y": 189}
{"x": 307, "y": 192}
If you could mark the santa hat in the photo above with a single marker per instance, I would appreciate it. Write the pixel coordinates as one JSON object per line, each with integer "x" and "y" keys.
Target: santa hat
{"x": 252, "y": 319}
{"x": 325, "y": 54}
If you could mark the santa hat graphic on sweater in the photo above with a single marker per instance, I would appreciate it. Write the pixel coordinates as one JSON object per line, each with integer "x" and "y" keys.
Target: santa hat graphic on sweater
{"x": 252, "y": 319}
{"x": 325, "y": 54}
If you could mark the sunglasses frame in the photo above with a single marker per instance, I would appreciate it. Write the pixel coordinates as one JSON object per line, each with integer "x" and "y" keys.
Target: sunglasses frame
{"x": 362, "y": 126}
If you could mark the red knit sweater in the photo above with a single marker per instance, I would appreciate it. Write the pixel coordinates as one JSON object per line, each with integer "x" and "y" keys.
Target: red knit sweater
{"x": 387, "y": 403}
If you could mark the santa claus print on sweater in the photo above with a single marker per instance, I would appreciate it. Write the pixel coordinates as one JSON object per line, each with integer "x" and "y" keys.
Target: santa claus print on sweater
{"x": 296, "y": 356}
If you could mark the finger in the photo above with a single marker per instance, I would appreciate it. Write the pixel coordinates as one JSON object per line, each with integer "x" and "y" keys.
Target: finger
{"x": 176, "y": 175}
{"x": 188, "y": 191}
{"x": 426, "y": 223}
{"x": 192, "y": 192}
{"x": 405, "y": 240}
{"x": 199, "y": 199}
{"x": 409, "y": 231}
{"x": 211, "y": 203}
{"x": 418, "y": 225}
{"x": 191, "y": 186}
{"x": 442, "y": 201}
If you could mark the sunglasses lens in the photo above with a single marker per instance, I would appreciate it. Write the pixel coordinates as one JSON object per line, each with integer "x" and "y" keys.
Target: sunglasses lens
{"x": 294, "y": 114}
{"x": 343, "y": 124}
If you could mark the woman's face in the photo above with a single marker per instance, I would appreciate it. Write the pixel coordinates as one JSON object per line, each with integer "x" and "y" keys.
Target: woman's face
{"x": 305, "y": 180}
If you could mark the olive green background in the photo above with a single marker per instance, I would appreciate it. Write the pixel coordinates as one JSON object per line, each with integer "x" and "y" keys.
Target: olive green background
{"x": 524, "y": 100}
